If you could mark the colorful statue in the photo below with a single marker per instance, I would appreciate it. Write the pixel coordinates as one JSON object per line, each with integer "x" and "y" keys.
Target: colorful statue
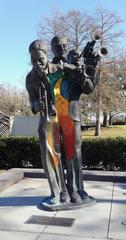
{"x": 54, "y": 90}
{"x": 70, "y": 87}
{"x": 41, "y": 100}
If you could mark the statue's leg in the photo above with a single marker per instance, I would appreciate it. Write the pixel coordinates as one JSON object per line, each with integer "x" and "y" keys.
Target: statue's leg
{"x": 78, "y": 159}
{"x": 67, "y": 113}
{"x": 77, "y": 166}
{"x": 47, "y": 165}
{"x": 54, "y": 141}
{"x": 68, "y": 133}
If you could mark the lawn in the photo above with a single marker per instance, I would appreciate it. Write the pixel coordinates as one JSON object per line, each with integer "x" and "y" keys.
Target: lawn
{"x": 1, "y": 171}
{"x": 109, "y": 132}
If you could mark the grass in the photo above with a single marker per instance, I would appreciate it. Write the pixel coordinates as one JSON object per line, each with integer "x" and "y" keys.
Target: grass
{"x": 1, "y": 171}
{"x": 109, "y": 132}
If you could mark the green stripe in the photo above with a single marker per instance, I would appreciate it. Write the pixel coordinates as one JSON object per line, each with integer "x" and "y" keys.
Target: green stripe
{"x": 53, "y": 78}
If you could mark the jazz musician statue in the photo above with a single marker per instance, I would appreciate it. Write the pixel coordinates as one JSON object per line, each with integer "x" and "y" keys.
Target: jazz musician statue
{"x": 82, "y": 79}
{"x": 54, "y": 90}
{"x": 41, "y": 100}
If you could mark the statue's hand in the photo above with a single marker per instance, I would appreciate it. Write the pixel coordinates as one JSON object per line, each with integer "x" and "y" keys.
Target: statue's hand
{"x": 53, "y": 111}
{"x": 66, "y": 66}
{"x": 41, "y": 106}
{"x": 79, "y": 75}
{"x": 37, "y": 107}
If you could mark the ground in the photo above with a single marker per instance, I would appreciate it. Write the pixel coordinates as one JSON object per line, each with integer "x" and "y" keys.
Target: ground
{"x": 114, "y": 131}
{"x": 1, "y": 171}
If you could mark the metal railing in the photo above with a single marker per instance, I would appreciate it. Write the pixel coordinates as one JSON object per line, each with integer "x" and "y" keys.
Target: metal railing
{"x": 4, "y": 124}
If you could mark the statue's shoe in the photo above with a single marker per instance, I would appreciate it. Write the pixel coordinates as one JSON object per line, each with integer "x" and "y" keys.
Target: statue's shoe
{"x": 64, "y": 197}
{"x": 89, "y": 201}
{"x": 75, "y": 198}
{"x": 54, "y": 204}
{"x": 52, "y": 201}
{"x": 82, "y": 194}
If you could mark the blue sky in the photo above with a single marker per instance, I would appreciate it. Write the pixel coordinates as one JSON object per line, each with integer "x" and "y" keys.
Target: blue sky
{"x": 19, "y": 20}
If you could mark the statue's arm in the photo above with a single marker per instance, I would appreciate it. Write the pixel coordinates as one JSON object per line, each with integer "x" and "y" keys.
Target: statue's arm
{"x": 88, "y": 84}
{"x": 34, "y": 102}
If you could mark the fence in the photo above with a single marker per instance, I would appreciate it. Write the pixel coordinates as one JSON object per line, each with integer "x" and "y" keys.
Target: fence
{"x": 4, "y": 124}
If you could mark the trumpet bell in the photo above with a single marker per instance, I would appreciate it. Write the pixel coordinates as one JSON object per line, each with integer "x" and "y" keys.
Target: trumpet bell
{"x": 102, "y": 52}
{"x": 89, "y": 71}
{"x": 96, "y": 36}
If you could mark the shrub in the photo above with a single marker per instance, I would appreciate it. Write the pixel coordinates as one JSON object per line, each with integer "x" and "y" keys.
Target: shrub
{"x": 104, "y": 154}
{"x": 19, "y": 152}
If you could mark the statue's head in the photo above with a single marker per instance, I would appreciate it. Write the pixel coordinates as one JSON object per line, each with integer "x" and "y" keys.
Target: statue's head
{"x": 38, "y": 52}
{"x": 58, "y": 46}
{"x": 74, "y": 57}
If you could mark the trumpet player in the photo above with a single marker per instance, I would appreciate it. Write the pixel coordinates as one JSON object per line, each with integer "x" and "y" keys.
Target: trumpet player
{"x": 70, "y": 87}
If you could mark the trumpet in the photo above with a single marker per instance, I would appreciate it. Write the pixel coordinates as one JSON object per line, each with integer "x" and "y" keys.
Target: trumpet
{"x": 102, "y": 51}
{"x": 96, "y": 36}
{"x": 89, "y": 71}
{"x": 90, "y": 57}
{"x": 90, "y": 45}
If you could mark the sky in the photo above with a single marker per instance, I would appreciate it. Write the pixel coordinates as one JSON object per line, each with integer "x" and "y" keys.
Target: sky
{"x": 19, "y": 25}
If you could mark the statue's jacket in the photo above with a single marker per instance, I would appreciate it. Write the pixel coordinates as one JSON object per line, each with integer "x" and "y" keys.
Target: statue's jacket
{"x": 66, "y": 87}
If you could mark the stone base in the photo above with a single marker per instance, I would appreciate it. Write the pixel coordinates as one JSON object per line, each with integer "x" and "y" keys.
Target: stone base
{"x": 66, "y": 206}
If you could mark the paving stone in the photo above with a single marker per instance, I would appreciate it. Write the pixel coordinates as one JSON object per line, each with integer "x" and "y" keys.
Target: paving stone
{"x": 64, "y": 237}
{"x": 118, "y": 215}
{"x": 88, "y": 226}
{"x": 21, "y": 200}
{"x": 90, "y": 221}
{"x": 12, "y": 235}
{"x": 9, "y": 178}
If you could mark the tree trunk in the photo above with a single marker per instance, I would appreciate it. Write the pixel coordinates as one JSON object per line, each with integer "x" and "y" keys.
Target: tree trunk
{"x": 98, "y": 125}
{"x": 110, "y": 119}
{"x": 105, "y": 119}
{"x": 125, "y": 119}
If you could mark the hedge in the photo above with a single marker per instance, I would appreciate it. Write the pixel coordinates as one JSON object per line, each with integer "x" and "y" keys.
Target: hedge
{"x": 103, "y": 154}
{"x": 19, "y": 152}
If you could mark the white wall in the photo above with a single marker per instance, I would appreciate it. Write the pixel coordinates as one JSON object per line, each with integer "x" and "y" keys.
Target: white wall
{"x": 25, "y": 126}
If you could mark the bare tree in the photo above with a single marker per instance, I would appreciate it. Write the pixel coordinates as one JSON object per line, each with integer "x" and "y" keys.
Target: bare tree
{"x": 13, "y": 101}
{"x": 49, "y": 26}
{"x": 107, "y": 23}
{"x": 75, "y": 25}
{"x": 55, "y": 24}
{"x": 78, "y": 28}
{"x": 111, "y": 92}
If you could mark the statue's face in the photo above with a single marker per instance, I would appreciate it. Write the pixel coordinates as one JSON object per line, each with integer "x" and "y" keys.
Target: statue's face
{"x": 39, "y": 61}
{"x": 59, "y": 49}
{"x": 73, "y": 57}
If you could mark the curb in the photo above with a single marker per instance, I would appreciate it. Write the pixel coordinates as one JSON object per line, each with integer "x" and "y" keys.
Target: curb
{"x": 89, "y": 175}
{"x": 9, "y": 178}
{"x": 14, "y": 175}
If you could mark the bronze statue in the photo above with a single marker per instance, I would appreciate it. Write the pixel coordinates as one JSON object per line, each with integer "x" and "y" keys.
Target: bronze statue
{"x": 41, "y": 100}
{"x": 72, "y": 86}
{"x": 54, "y": 90}
{"x": 58, "y": 46}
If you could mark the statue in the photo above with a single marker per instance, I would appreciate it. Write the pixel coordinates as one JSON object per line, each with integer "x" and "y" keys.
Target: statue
{"x": 71, "y": 87}
{"x": 39, "y": 91}
{"x": 54, "y": 90}
{"x": 58, "y": 46}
